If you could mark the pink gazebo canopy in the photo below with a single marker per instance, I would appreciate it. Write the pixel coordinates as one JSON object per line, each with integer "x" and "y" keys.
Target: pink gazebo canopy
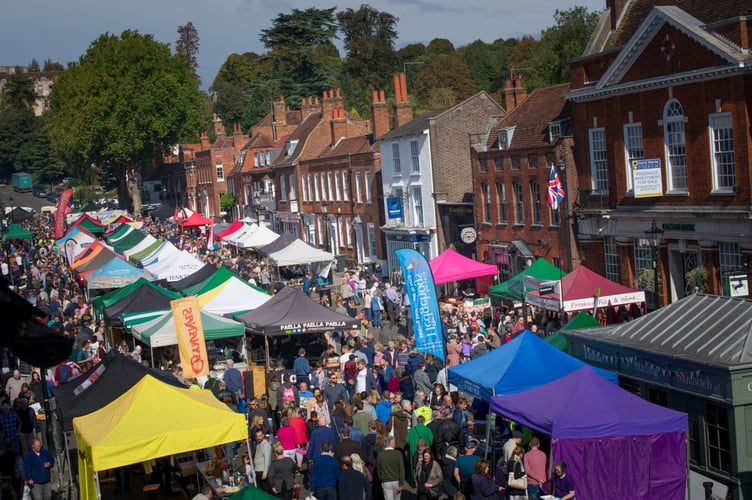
{"x": 452, "y": 266}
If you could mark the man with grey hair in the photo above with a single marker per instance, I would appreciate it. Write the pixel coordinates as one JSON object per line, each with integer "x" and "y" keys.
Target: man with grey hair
{"x": 234, "y": 379}
{"x": 448, "y": 464}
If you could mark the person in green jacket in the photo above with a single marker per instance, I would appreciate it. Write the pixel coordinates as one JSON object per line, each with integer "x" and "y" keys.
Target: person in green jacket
{"x": 420, "y": 431}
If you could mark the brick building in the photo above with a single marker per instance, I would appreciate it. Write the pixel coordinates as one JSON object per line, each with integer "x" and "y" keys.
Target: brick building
{"x": 42, "y": 80}
{"x": 511, "y": 164}
{"x": 661, "y": 122}
{"x": 426, "y": 174}
{"x": 206, "y": 177}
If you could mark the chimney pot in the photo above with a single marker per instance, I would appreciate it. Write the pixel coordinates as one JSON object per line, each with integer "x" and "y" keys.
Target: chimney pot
{"x": 382, "y": 97}
{"x": 375, "y": 96}
{"x": 508, "y": 84}
{"x": 339, "y": 93}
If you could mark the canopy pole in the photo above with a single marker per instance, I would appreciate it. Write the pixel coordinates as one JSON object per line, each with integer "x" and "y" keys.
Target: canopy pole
{"x": 266, "y": 345}
{"x": 488, "y": 424}
{"x": 99, "y": 488}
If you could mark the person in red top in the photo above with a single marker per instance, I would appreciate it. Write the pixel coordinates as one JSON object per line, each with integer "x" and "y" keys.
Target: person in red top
{"x": 288, "y": 438}
{"x": 535, "y": 467}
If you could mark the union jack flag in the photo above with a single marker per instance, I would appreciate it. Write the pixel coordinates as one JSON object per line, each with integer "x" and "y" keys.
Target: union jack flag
{"x": 555, "y": 190}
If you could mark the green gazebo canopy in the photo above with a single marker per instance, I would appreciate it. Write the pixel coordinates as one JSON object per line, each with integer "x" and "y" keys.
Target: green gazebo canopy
{"x": 514, "y": 287}
{"x": 16, "y": 232}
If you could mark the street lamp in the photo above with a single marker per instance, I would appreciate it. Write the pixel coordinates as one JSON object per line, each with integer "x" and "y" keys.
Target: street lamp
{"x": 324, "y": 208}
{"x": 654, "y": 236}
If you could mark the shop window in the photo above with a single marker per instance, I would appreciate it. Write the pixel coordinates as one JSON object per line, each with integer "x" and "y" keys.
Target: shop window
{"x": 657, "y": 396}
{"x": 719, "y": 443}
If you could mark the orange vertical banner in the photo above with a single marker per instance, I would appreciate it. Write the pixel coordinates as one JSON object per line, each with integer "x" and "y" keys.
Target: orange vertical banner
{"x": 190, "y": 334}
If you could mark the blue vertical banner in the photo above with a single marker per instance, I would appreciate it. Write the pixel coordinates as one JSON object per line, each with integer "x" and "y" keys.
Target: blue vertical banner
{"x": 425, "y": 305}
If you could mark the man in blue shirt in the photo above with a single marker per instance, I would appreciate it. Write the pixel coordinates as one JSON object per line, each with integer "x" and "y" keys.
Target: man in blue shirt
{"x": 234, "y": 379}
{"x": 301, "y": 366}
{"x": 37, "y": 464}
{"x": 325, "y": 474}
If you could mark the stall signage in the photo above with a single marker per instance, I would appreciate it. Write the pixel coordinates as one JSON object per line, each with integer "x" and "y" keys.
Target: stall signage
{"x": 547, "y": 287}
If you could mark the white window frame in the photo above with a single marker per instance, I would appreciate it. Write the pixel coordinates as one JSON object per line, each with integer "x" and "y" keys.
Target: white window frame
{"x": 485, "y": 190}
{"x": 643, "y": 259}
{"x": 416, "y": 193}
{"x": 372, "y": 245}
{"x": 358, "y": 193}
{"x": 611, "y": 258}
{"x": 309, "y": 187}
{"x": 633, "y": 150}
{"x": 340, "y": 238}
{"x": 396, "y": 158}
{"x": 282, "y": 188}
{"x": 535, "y": 195}
{"x": 598, "y": 159}
{"x": 345, "y": 187}
{"x": 722, "y": 159}
{"x": 675, "y": 146}
{"x": 220, "y": 168}
{"x": 554, "y": 132}
{"x": 320, "y": 230}
{"x": 329, "y": 185}
{"x": 292, "y": 187}
{"x": 415, "y": 156}
{"x": 348, "y": 231}
{"x": 316, "y": 192}
{"x": 729, "y": 260}
{"x": 501, "y": 202}
{"x": 337, "y": 196}
{"x": 519, "y": 204}
{"x": 367, "y": 186}
{"x": 304, "y": 187}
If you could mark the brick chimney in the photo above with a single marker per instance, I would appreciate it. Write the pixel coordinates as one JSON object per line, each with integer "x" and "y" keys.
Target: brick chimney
{"x": 403, "y": 109}
{"x": 279, "y": 112}
{"x": 332, "y": 100}
{"x": 338, "y": 125}
{"x": 219, "y": 128}
{"x": 309, "y": 106}
{"x": 616, "y": 8}
{"x": 204, "y": 140}
{"x": 237, "y": 133}
{"x": 513, "y": 94}
{"x": 380, "y": 111}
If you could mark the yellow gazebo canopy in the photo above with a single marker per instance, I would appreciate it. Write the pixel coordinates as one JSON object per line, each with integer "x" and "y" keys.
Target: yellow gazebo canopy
{"x": 151, "y": 420}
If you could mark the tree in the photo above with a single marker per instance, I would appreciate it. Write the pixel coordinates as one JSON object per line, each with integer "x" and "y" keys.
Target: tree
{"x": 187, "y": 45}
{"x": 34, "y": 66}
{"x": 19, "y": 122}
{"x": 369, "y": 37}
{"x": 50, "y": 66}
{"x": 446, "y": 72}
{"x": 487, "y": 62}
{"x": 300, "y": 44}
{"x": 226, "y": 202}
{"x": 440, "y": 46}
{"x": 125, "y": 102}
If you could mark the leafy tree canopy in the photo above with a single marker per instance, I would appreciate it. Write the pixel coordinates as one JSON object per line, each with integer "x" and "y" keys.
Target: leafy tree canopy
{"x": 449, "y": 74}
{"x": 125, "y": 102}
{"x": 187, "y": 45}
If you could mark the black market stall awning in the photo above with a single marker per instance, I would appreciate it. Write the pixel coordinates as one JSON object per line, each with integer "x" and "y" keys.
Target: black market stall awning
{"x": 291, "y": 311}
{"x": 163, "y": 212}
{"x": 203, "y": 274}
{"x": 141, "y": 296}
{"x": 104, "y": 383}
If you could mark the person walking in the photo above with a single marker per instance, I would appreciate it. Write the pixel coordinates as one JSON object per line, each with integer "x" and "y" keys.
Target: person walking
{"x": 390, "y": 469}
{"x": 38, "y": 463}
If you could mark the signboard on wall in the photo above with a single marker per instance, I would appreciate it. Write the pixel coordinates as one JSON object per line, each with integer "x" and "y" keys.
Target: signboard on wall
{"x": 647, "y": 179}
{"x": 738, "y": 285}
{"x": 394, "y": 208}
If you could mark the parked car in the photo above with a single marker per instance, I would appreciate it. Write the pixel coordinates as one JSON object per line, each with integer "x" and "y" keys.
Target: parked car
{"x": 53, "y": 197}
{"x": 39, "y": 190}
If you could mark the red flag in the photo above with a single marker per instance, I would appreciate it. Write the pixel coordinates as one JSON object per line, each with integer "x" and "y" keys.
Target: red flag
{"x": 175, "y": 216}
{"x": 62, "y": 211}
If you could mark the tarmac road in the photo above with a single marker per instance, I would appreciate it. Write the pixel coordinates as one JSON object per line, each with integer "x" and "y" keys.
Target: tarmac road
{"x": 22, "y": 199}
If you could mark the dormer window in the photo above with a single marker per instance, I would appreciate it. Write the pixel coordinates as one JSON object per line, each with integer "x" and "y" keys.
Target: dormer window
{"x": 291, "y": 145}
{"x": 505, "y": 137}
{"x": 556, "y": 130}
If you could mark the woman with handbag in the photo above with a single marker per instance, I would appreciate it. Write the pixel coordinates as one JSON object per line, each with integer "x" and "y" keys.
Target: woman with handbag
{"x": 483, "y": 487}
{"x": 517, "y": 481}
{"x": 428, "y": 476}
{"x": 282, "y": 474}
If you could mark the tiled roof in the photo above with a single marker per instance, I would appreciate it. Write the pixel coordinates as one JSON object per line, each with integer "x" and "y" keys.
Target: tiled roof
{"x": 261, "y": 140}
{"x": 300, "y": 134}
{"x": 707, "y": 12}
{"x": 531, "y": 118}
{"x": 349, "y": 146}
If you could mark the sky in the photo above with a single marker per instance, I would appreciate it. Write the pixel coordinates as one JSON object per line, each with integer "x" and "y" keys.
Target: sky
{"x": 62, "y": 31}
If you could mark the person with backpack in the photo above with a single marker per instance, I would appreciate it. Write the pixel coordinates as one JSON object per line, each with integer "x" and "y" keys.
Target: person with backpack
{"x": 288, "y": 392}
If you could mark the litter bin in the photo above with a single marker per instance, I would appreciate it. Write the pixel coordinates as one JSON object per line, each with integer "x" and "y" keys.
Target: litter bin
{"x": 340, "y": 260}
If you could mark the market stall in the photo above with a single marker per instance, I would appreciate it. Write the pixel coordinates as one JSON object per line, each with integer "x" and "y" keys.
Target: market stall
{"x": 518, "y": 285}
{"x": 452, "y": 266}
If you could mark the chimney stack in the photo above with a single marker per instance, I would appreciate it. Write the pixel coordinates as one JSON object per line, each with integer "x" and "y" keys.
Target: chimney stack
{"x": 513, "y": 94}
{"x": 204, "y": 140}
{"x": 338, "y": 125}
{"x": 309, "y": 106}
{"x": 332, "y": 100}
{"x": 279, "y": 110}
{"x": 403, "y": 109}
{"x": 380, "y": 112}
{"x": 219, "y": 128}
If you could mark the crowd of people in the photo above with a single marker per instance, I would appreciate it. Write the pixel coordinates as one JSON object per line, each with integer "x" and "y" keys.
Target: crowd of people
{"x": 369, "y": 417}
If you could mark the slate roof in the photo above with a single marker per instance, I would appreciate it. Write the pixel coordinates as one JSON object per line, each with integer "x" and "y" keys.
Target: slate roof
{"x": 706, "y": 329}
{"x": 704, "y": 10}
{"x": 531, "y": 118}
{"x": 414, "y": 126}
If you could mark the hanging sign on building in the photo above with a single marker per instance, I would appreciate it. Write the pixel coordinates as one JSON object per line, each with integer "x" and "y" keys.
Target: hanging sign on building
{"x": 647, "y": 180}
{"x": 738, "y": 285}
{"x": 394, "y": 207}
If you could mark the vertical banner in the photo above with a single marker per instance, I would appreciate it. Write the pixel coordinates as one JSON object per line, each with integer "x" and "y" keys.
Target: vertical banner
{"x": 210, "y": 238}
{"x": 190, "y": 334}
{"x": 62, "y": 205}
{"x": 423, "y": 301}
